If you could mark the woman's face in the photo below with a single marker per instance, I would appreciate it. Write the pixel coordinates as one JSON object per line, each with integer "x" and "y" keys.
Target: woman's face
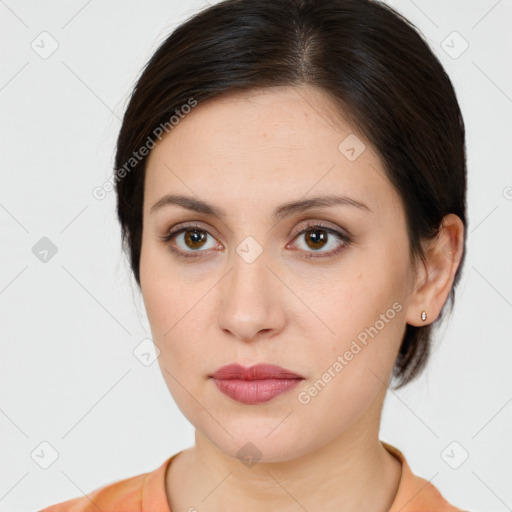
{"x": 330, "y": 308}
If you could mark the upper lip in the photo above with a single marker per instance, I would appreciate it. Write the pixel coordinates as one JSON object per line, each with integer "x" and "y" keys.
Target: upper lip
{"x": 256, "y": 372}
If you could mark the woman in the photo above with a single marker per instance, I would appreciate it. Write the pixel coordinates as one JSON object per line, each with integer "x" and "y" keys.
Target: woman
{"x": 291, "y": 186}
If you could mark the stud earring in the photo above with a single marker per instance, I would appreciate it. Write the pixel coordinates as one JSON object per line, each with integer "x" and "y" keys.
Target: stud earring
{"x": 423, "y": 315}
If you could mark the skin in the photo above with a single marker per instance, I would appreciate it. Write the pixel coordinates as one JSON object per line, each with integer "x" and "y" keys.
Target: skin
{"x": 249, "y": 153}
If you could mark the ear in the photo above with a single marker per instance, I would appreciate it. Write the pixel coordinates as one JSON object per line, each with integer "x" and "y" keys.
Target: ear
{"x": 434, "y": 278}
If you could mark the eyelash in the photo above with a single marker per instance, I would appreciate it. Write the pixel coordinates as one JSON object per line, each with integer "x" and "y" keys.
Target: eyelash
{"x": 345, "y": 241}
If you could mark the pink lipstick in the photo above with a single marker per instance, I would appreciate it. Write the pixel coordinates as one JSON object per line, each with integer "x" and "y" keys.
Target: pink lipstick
{"x": 257, "y": 384}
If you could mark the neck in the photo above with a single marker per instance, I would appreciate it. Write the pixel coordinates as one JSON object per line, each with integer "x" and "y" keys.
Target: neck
{"x": 350, "y": 472}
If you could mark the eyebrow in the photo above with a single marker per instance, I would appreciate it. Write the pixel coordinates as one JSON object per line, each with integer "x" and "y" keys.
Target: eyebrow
{"x": 279, "y": 213}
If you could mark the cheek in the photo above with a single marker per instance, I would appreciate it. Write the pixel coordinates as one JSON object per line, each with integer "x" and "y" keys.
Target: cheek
{"x": 171, "y": 309}
{"x": 353, "y": 366}
{"x": 363, "y": 307}
{"x": 163, "y": 289}
{"x": 173, "y": 315}
{"x": 166, "y": 302}
{"x": 179, "y": 311}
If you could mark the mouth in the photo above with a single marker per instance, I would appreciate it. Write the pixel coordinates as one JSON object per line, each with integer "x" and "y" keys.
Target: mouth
{"x": 254, "y": 385}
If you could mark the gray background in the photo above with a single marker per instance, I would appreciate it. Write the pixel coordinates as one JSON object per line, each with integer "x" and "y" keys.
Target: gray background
{"x": 71, "y": 320}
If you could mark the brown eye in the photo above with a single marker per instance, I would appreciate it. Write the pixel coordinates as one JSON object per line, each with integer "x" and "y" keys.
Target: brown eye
{"x": 194, "y": 239}
{"x": 189, "y": 241}
{"x": 317, "y": 237}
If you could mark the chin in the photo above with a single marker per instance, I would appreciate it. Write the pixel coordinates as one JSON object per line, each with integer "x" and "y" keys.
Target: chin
{"x": 258, "y": 440}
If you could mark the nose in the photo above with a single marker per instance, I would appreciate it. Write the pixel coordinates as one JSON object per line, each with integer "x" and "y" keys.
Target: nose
{"x": 251, "y": 296}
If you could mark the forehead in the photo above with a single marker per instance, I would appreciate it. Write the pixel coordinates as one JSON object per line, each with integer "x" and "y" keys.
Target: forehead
{"x": 265, "y": 147}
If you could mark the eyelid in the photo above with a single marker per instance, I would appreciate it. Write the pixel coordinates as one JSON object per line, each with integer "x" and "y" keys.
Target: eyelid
{"x": 184, "y": 226}
{"x": 311, "y": 224}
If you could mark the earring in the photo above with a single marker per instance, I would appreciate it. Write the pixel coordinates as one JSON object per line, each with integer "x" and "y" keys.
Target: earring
{"x": 423, "y": 315}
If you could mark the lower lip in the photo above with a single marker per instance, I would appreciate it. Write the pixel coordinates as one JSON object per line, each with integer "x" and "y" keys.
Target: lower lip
{"x": 255, "y": 391}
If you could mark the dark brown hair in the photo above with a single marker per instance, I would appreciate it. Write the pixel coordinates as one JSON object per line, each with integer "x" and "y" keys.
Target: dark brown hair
{"x": 370, "y": 60}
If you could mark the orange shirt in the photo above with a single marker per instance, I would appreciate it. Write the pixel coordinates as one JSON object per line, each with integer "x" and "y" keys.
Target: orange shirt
{"x": 146, "y": 493}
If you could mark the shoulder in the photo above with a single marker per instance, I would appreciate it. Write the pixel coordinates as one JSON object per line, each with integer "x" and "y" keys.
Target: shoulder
{"x": 138, "y": 493}
{"x": 415, "y": 494}
{"x": 123, "y": 493}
